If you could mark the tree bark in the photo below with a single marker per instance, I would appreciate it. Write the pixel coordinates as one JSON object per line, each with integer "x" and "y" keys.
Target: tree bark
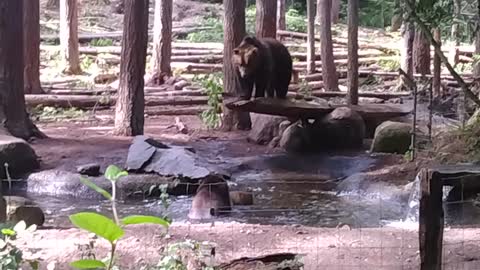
{"x": 234, "y": 31}
{"x": 311, "y": 37}
{"x": 437, "y": 64}
{"x": 328, "y": 66}
{"x": 407, "y": 48}
{"x": 281, "y": 10}
{"x": 69, "y": 36}
{"x": 31, "y": 53}
{"x": 397, "y": 19}
{"x": 476, "y": 69}
{"x": 266, "y": 14}
{"x": 421, "y": 53}
{"x": 129, "y": 113}
{"x": 455, "y": 34}
{"x": 352, "y": 66}
{"x": 335, "y": 13}
{"x": 13, "y": 115}
{"x": 162, "y": 38}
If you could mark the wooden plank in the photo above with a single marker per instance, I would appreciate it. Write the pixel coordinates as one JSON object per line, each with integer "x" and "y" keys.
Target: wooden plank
{"x": 431, "y": 220}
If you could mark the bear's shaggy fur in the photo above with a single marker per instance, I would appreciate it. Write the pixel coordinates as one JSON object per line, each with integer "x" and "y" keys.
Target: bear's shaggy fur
{"x": 264, "y": 63}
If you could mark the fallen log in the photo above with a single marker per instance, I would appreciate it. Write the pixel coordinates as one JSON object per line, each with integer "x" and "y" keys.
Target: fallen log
{"x": 84, "y": 101}
{"x": 301, "y": 109}
{"x": 203, "y": 45}
{"x": 361, "y": 61}
{"x": 384, "y": 96}
{"x": 177, "y": 110}
{"x": 188, "y": 66}
{"x": 215, "y": 58}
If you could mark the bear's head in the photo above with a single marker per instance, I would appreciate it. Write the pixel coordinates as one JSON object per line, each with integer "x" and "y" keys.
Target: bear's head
{"x": 246, "y": 56}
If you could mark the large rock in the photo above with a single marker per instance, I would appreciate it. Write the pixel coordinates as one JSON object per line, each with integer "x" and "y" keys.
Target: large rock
{"x": 264, "y": 128}
{"x": 20, "y": 208}
{"x": 19, "y": 155}
{"x": 148, "y": 155}
{"x": 342, "y": 128}
{"x": 295, "y": 139}
{"x": 392, "y": 137}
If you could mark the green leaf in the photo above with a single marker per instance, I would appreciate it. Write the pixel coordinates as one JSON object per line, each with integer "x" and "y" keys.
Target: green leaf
{"x": 113, "y": 173}
{"x": 98, "y": 224}
{"x": 130, "y": 220}
{"x": 8, "y": 232}
{"x": 88, "y": 264}
{"x": 93, "y": 186}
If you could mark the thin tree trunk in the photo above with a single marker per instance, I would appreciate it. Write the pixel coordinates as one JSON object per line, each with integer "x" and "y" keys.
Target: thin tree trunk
{"x": 406, "y": 55}
{"x": 397, "y": 19}
{"x": 162, "y": 38}
{"x": 437, "y": 64}
{"x": 129, "y": 113}
{"x": 335, "y": 14}
{"x": 421, "y": 53}
{"x": 352, "y": 66}
{"x": 281, "y": 10}
{"x": 330, "y": 79}
{"x": 455, "y": 33}
{"x": 13, "y": 115}
{"x": 234, "y": 31}
{"x": 69, "y": 36}
{"x": 31, "y": 53}
{"x": 311, "y": 37}
{"x": 266, "y": 14}
{"x": 53, "y": 4}
{"x": 476, "y": 68}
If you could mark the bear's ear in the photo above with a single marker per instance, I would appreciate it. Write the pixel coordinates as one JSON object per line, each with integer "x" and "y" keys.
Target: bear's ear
{"x": 236, "y": 51}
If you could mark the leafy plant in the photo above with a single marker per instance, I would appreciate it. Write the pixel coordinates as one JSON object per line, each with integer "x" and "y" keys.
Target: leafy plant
{"x": 11, "y": 258}
{"x": 214, "y": 34}
{"x": 213, "y": 85}
{"x": 295, "y": 21}
{"x": 104, "y": 227}
{"x": 175, "y": 254}
{"x": 389, "y": 64}
{"x": 44, "y": 113}
{"x": 101, "y": 42}
{"x": 305, "y": 89}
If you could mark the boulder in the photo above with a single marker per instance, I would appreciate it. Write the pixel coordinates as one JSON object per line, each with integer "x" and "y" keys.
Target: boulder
{"x": 342, "y": 128}
{"x": 148, "y": 155}
{"x": 20, "y": 208}
{"x": 295, "y": 139}
{"x": 19, "y": 155}
{"x": 264, "y": 128}
{"x": 92, "y": 169}
{"x": 392, "y": 137}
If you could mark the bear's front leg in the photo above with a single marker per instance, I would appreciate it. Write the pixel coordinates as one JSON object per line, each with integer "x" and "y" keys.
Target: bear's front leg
{"x": 260, "y": 86}
{"x": 246, "y": 90}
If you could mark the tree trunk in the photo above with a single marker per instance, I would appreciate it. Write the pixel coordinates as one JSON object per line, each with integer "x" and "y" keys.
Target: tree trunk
{"x": 326, "y": 45}
{"x": 335, "y": 13}
{"x": 408, "y": 33}
{"x": 69, "y": 36}
{"x": 53, "y": 4}
{"x": 31, "y": 42}
{"x": 129, "y": 113}
{"x": 266, "y": 23}
{"x": 234, "y": 31}
{"x": 421, "y": 53}
{"x": 162, "y": 37}
{"x": 352, "y": 66}
{"x": 476, "y": 69}
{"x": 397, "y": 19}
{"x": 455, "y": 34}
{"x": 311, "y": 37}
{"x": 281, "y": 10}
{"x": 13, "y": 115}
{"x": 437, "y": 64}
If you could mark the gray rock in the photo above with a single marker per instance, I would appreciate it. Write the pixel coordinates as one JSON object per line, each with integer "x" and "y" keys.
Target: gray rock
{"x": 141, "y": 151}
{"x": 264, "y": 128}
{"x": 283, "y": 126}
{"x": 19, "y": 155}
{"x": 92, "y": 169}
{"x": 342, "y": 128}
{"x": 392, "y": 137}
{"x": 295, "y": 139}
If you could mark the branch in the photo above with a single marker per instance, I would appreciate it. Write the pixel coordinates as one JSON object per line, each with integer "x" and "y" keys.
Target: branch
{"x": 438, "y": 51}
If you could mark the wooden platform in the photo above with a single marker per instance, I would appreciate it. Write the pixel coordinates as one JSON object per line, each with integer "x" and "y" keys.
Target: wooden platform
{"x": 302, "y": 109}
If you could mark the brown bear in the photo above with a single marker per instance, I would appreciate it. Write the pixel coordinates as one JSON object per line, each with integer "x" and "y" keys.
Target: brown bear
{"x": 264, "y": 63}
{"x": 212, "y": 198}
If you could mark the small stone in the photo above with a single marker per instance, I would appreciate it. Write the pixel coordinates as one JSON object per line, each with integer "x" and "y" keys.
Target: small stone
{"x": 92, "y": 169}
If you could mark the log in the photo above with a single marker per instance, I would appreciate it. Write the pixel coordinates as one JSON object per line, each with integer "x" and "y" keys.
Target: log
{"x": 148, "y": 92}
{"x": 176, "y": 110}
{"x": 117, "y": 35}
{"x": 337, "y": 55}
{"x": 431, "y": 220}
{"x": 343, "y": 62}
{"x": 188, "y": 66}
{"x": 215, "y": 58}
{"x": 85, "y": 101}
{"x": 301, "y": 109}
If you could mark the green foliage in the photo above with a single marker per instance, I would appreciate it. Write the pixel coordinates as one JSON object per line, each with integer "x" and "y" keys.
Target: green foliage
{"x": 101, "y": 42}
{"x": 295, "y": 21}
{"x": 213, "y": 85}
{"x": 48, "y": 113}
{"x": 305, "y": 89}
{"x": 214, "y": 34}
{"x": 99, "y": 225}
{"x": 389, "y": 64}
{"x": 87, "y": 62}
{"x": 174, "y": 256}
{"x": 11, "y": 258}
{"x": 109, "y": 229}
